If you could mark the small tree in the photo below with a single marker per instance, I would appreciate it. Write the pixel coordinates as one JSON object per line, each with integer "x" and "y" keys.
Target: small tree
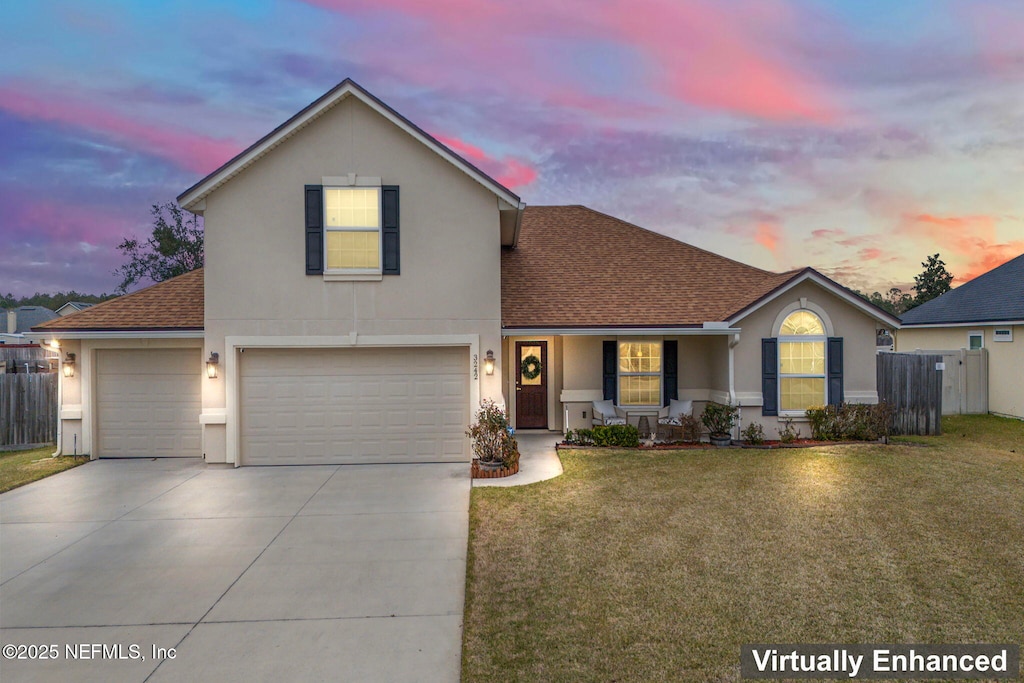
{"x": 492, "y": 440}
{"x": 174, "y": 248}
{"x": 933, "y": 281}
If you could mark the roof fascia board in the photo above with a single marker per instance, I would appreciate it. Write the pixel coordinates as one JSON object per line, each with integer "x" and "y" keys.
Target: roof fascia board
{"x": 631, "y": 331}
{"x": 313, "y": 111}
{"x": 827, "y": 284}
{"x": 976, "y": 323}
{"x": 115, "y": 334}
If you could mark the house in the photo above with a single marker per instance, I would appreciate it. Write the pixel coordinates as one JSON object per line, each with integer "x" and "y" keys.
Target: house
{"x": 366, "y": 288}
{"x": 985, "y": 313}
{"x": 18, "y": 321}
{"x": 72, "y": 307}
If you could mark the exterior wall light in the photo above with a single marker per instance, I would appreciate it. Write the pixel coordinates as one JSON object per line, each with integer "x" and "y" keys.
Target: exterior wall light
{"x": 69, "y": 365}
{"x": 489, "y": 362}
{"x": 211, "y": 365}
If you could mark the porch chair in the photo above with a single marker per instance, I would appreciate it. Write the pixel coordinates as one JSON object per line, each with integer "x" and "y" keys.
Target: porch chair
{"x": 605, "y": 413}
{"x": 668, "y": 419}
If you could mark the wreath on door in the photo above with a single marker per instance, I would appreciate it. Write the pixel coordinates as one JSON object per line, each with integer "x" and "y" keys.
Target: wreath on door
{"x": 530, "y": 367}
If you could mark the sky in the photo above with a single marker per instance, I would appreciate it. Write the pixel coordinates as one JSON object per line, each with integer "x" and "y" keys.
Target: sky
{"x": 853, "y": 136}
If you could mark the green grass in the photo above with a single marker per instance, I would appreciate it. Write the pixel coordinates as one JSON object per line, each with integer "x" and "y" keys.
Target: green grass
{"x": 642, "y": 566}
{"x": 18, "y": 468}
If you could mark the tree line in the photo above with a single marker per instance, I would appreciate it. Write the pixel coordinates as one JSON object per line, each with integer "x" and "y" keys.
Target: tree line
{"x": 933, "y": 281}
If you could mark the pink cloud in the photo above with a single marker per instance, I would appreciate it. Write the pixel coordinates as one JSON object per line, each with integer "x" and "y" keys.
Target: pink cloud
{"x": 871, "y": 254}
{"x": 768, "y": 235}
{"x": 190, "y": 151}
{"x": 969, "y": 244}
{"x": 717, "y": 58}
{"x": 510, "y": 172}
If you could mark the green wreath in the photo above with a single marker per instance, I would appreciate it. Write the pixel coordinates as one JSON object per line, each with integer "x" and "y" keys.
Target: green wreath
{"x": 530, "y": 367}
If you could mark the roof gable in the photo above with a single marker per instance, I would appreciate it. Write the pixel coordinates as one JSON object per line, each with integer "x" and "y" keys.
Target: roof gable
{"x": 192, "y": 198}
{"x": 175, "y": 304}
{"x": 996, "y": 296}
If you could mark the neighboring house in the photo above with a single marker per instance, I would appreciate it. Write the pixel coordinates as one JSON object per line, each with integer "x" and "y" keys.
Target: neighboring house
{"x": 985, "y": 313}
{"x": 72, "y": 307}
{"x": 359, "y": 275}
{"x": 18, "y": 321}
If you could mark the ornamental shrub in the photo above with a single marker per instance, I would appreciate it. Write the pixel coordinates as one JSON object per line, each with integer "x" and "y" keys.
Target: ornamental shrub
{"x": 753, "y": 434}
{"x": 492, "y": 439}
{"x": 788, "y": 433}
{"x": 690, "y": 427}
{"x": 850, "y": 421}
{"x": 719, "y": 418}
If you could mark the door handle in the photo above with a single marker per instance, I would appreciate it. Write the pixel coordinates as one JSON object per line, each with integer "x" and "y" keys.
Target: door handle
{"x": 518, "y": 388}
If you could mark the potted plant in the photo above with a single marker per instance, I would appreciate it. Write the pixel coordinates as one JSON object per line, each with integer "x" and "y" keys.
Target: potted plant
{"x": 493, "y": 443}
{"x": 719, "y": 419}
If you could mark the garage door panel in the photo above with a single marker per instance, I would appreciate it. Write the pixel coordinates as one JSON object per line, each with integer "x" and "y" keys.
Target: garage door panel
{"x": 148, "y": 402}
{"x": 354, "y": 405}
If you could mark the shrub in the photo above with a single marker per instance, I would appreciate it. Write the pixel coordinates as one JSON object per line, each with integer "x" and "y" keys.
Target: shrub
{"x": 719, "y": 418}
{"x": 624, "y": 436}
{"x": 753, "y": 434}
{"x": 856, "y": 422}
{"x": 492, "y": 439}
{"x": 788, "y": 433}
{"x": 691, "y": 428}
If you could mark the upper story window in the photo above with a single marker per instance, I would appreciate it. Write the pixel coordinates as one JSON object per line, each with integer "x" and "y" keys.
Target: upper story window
{"x": 801, "y": 362}
{"x": 640, "y": 373}
{"x": 352, "y": 230}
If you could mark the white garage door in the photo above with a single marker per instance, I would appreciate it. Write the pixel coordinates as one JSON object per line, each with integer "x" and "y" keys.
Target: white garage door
{"x": 342, "y": 406}
{"x": 148, "y": 403}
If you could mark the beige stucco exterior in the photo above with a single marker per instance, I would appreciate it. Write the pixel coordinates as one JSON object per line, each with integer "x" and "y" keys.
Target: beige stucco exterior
{"x": 1005, "y": 359}
{"x": 257, "y": 292}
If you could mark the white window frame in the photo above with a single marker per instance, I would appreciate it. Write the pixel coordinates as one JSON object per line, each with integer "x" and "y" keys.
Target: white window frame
{"x": 619, "y": 374}
{"x": 781, "y": 339}
{"x": 980, "y": 334}
{"x": 352, "y": 182}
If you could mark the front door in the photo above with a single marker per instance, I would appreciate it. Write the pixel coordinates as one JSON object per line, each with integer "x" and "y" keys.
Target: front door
{"x": 532, "y": 385}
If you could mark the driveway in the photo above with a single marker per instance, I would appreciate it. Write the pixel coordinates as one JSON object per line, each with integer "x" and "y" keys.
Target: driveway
{"x": 353, "y": 573}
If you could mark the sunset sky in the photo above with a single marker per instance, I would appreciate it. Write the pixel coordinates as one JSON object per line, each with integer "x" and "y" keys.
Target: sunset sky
{"x": 853, "y": 136}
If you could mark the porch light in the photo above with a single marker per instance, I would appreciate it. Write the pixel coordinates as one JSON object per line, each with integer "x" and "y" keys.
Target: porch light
{"x": 489, "y": 362}
{"x": 54, "y": 344}
{"x": 211, "y": 365}
{"x": 69, "y": 365}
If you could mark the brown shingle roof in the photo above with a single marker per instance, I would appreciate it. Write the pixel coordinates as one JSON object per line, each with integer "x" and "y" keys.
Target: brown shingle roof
{"x": 175, "y": 304}
{"x": 576, "y": 267}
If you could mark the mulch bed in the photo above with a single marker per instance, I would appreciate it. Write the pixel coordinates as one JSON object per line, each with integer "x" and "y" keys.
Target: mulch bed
{"x": 478, "y": 473}
{"x": 682, "y": 446}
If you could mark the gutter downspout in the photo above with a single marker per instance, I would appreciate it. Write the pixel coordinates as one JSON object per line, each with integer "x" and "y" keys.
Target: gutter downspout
{"x": 733, "y": 343}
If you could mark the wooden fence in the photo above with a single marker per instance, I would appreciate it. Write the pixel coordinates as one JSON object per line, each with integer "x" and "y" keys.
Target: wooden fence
{"x": 912, "y": 384}
{"x": 28, "y": 408}
{"x": 27, "y": 358}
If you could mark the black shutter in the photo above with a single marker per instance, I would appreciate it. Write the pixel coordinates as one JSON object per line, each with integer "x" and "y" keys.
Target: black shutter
{"x": 769, "y": 377}
{"x": 609, "y": 375}
{"x": 835, "y": 370}
{"x": 314, "y": 230}
{"x": 389, "y": 229}
{"x": 670, "y": 363}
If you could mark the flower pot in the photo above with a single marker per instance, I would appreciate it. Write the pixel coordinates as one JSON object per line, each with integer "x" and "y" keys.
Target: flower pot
{"x": 720, "y": 440}
{"x": 490, "y": 466}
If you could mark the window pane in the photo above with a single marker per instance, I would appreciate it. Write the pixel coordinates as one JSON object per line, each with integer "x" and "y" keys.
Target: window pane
{"x": 801, "y": 322}
{"x": 640, "y": 357}
{"x": 976, "y": 341}
{"x": 352, "y": 208}
{"x": 802, "y": 358}
{"x": 353, "y": 250}
{"x": 801, "y": 393}
{"x": 642, "y": 390}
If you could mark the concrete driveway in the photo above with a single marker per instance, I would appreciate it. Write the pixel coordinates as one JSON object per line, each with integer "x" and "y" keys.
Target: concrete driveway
{"x": 353, "y": 573}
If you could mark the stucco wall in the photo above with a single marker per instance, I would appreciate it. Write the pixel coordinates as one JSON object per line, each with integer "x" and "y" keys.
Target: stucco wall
{"x": 450, "y": 247}
{"x": 1005, "y": 360}
{"x": 855, "y": 327}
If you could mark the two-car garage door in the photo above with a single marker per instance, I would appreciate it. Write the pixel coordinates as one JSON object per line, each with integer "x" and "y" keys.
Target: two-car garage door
{"x": 344, "y": 406}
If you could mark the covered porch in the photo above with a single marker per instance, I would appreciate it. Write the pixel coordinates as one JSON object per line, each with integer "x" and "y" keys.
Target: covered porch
{"x": 551, "y": 377}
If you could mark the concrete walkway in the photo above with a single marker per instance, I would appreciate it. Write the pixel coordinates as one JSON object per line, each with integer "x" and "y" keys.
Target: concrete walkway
{"x": 538, "y": 460}
{"x": 352, "y": 573}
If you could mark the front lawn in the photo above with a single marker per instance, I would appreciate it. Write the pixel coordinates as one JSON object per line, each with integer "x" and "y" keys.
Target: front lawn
{"x": 658, "y": 565}
{"x": 18, "y": 468}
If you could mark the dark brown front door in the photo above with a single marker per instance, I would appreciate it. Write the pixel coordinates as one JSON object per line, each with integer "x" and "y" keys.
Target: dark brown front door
{"x": 532, "y": 385}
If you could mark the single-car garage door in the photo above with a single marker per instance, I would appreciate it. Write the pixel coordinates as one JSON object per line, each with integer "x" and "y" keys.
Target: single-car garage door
{"x": 148, "y": 403}
{"x": 344, "y": 406}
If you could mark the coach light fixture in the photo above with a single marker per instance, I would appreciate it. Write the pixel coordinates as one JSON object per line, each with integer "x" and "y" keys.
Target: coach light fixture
{"x": 69, "y": 365}
{"x": 211, "y": 365}
{"x": 489, "y": 362}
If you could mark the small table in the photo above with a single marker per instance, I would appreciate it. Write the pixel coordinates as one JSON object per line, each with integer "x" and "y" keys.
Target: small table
{"x": 644, "y": 427}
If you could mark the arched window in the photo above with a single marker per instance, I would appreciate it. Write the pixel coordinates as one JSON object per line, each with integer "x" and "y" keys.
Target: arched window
{"x": 802, "y": 368}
